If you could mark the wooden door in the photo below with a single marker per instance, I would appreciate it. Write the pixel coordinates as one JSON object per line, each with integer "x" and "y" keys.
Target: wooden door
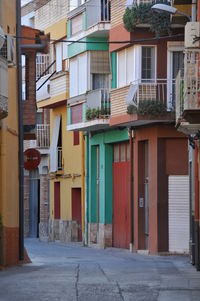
{"x": 76, "y": 210}
{"x": 121, "y": 196}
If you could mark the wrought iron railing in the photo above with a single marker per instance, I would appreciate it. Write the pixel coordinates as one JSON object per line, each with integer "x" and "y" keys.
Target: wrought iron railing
{"x": 43, "y": 136}
{"x": 42, "y": 64}
{"x": 59, "y": 153}
{"x": 160, "y": 90}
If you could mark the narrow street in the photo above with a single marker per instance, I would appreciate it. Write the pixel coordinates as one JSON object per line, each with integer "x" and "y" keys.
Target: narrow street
{"x": 73, "y": 272}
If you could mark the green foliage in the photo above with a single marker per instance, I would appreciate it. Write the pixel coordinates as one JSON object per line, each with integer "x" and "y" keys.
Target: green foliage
{"x": 92, "y": 114}
{"x": 143, "y": 14}
{"x": 148, "y": 107}
{"x": 131, "y": 109}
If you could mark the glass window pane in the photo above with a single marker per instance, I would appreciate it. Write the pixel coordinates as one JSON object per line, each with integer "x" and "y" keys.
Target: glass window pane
{"x": 128, "y": 152}
{"x": 123, "y": 152}
{"x": 116, "y": 153}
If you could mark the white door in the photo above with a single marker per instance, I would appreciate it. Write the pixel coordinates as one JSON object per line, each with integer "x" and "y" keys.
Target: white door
{"x": 178, "y": 214}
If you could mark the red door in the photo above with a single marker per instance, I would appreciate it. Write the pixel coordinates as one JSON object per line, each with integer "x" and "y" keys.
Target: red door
{"x": 57, "y": 200}
{"x": 121, "y": 196}
{"x": 76, "y": 210}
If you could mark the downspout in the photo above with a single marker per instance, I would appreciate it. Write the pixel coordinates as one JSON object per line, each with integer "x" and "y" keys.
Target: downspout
{"x": 83, "y": 184}
{"x": 20, "y": 126}
{"x": 131, "y": 200}
{"x": 196, "y": 209}
{"x": 86, "y": 187}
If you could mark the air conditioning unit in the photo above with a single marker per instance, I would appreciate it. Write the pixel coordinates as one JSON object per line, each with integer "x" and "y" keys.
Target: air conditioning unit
{"x": 11, "y": 50}
{"x": 192, "y": 32}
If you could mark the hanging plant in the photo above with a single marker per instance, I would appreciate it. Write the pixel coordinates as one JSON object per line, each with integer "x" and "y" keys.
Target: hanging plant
{"x": 143, "y": 14}
{"x": 148, "y": 107}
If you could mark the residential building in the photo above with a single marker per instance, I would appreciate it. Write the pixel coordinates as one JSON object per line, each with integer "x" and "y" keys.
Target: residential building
{"x": 143, "y": 99}
{"x": 188, "y": 122}
{"x": 66, "y": 208}
{"x": 134, "y": 178}
{"x": 89, "y": 111}
{"x": 9, "y": 134}
{"x": 36, "y": 127}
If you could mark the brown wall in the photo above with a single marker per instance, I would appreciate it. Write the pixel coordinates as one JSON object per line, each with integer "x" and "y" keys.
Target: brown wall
{"x": 166, "y": 147}
{"x": 29, "y": 105}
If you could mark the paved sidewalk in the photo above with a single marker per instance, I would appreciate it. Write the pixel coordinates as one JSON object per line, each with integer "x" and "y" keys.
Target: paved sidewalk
{"x": 76, "y": 273}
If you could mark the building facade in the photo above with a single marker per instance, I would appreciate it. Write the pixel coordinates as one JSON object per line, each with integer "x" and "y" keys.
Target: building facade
{"x": 66, "y": 208}
{"x": 187, "y": 121}
{"x": 9, "y": 162}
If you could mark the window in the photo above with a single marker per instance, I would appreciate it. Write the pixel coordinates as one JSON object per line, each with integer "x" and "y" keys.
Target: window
{"x": 148, "y": 63}
{"x": 78, "y": 75}
{"x": 76, "y": 114}
{"x": 59, "y": 56}
{"x": 121, "y": 152}
{"x": 76, "y": 24}
{"x": 76, "y": 138}
{"x": 100, "y": 81}
{"x": 125, "y": 66}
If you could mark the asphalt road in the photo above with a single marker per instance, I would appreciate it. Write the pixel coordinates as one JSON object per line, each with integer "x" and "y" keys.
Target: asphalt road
{"x": 73, "y": 272}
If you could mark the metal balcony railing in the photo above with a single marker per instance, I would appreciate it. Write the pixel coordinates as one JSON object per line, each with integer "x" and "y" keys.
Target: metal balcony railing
{"x": 42, "y": 64}
{"x": 160, "y": 90}
{"x": 43, "y": 136}
{"x": 59, "y": 153}
{"x": 105, "y": 10}
{"x": 99, "y": 100}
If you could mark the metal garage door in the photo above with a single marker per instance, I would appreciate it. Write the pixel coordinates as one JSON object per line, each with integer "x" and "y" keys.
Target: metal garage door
{"x": 178, "y": 210}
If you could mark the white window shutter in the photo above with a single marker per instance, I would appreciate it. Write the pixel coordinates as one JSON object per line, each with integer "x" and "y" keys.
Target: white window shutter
{"x": 121, "y": 68}
{"x": 54, "y": 145}
{"x": 65, "y": 50}
{"x": 58, "y": 57}
{"x": 82, "y": 73}
{"x": 129, "y": 65}
{"x": 73, "y": 77}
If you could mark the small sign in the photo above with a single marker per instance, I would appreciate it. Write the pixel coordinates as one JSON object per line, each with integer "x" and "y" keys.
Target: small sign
{"x": 141, "y": 202}
{"x": 32, "y": 158}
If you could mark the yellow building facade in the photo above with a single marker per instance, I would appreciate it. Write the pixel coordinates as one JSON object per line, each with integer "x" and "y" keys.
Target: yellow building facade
{"x": 66, "y": 208}
{"x": 9, "y": 143}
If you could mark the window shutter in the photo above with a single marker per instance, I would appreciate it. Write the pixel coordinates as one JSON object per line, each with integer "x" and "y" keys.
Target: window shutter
{"x": 54, "y": 144}
{"x": 73, "y": 74}
{"x": 100, "y": 62}
{"x": 58, "y": 57}
{"x": 121, "y": 68}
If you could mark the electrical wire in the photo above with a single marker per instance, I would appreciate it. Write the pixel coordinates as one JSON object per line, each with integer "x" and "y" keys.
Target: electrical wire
{"x": 106, "y": 42}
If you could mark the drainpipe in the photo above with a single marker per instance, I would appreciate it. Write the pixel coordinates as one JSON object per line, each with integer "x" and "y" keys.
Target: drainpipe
{"x": 86, "y": 187}
{"x": 196, "y": 209}
{"x": 20, "y": 126}
{"x": 194, "y": 10}
{"x": 37, "y": 47}
{"x": 131, "y": 200}
{"x": 83, "y": 185}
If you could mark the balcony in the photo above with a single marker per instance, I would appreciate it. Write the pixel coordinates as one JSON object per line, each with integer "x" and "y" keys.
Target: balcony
{"x": 143, "y": 102}
{"x": 43, "y": 136}
{"x": 139, "y": 14}
{"x": 3, "y": 88}
{"x": 188, "y": 95}
{"x": 89, "y": 18}
{"x": 94, "y": 113}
